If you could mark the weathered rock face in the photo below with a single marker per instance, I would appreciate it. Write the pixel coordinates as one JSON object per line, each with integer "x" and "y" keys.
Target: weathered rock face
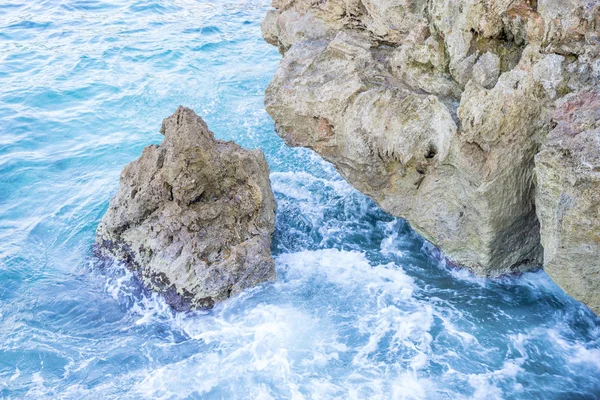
{"x": 193, "y": 216}
{"x": 435, "y": 108}
{"x": 568, "y": 197}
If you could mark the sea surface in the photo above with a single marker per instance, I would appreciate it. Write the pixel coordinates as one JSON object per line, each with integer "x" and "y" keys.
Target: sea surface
{"x": 363, "y": 308}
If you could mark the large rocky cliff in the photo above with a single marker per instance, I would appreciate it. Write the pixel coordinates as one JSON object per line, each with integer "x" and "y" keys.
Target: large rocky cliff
{"x": 476, "y": 120}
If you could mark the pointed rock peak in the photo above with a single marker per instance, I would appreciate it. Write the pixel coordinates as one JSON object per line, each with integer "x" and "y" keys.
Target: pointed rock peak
{"x": 187, "y": 121}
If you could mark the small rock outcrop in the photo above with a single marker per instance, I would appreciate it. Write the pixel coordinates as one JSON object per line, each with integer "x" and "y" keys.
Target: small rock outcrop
{"x": 436, "y": 109}
{"x": 193, "y": 217}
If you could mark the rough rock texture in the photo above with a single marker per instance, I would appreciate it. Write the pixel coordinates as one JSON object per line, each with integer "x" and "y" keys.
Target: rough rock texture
{"x": 568, "y": 197}
{"x": 193, "y": 216}
{"x": 435, "y": 108}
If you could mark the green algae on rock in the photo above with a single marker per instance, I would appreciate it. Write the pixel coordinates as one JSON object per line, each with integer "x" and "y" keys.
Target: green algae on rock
{"x": 193, "y": 217}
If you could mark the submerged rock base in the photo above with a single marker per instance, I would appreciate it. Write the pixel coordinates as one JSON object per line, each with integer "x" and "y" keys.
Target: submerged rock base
{"x": 193, "y": 217}
{"x": 436, "y": 109}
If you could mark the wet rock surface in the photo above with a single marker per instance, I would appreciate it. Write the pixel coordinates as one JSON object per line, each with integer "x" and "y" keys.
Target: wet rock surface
{"x": 193, "y": 217}
{"x": 437, "y": 109}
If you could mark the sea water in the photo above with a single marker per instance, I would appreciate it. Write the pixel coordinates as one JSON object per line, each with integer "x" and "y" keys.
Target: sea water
{"x": 362, "y": 308}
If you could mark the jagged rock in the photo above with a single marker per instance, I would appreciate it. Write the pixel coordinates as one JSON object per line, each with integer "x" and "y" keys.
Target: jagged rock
{"x": 568, "y": 197}
{"x": 193, "y": 216}
{"x": 435, "y": 108}
{"x": 486, "y": 70}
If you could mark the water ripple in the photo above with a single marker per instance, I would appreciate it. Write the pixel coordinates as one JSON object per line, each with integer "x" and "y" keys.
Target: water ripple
{"x": 362, "y": 307}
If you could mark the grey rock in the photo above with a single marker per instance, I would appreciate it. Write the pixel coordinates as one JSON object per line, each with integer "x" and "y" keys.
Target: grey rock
{"x": 193, "y": 217}
{"x": 436, "y": 109}
{"x": 568, "y": 197}
{"x": 486, "y": 70}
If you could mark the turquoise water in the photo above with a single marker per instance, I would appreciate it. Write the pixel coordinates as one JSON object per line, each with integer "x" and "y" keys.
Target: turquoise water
{"x": 362, "y": 308}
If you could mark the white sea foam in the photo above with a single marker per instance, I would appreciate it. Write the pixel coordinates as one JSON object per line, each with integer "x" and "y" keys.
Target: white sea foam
{"x": 303, "y": 346}
{"x": 15, "y": 375}
{"x": 86, "y": 86}
{"x": 578, "y": 355}
{"x": 293, "y": 347}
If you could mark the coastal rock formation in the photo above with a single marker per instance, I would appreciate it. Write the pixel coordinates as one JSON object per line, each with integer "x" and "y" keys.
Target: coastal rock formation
{"x": 436, "y": 109}
{"x": 568, "y": 196}
{"x": 193, "y": 216}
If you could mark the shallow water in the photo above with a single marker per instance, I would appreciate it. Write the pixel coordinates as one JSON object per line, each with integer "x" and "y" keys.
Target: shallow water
{"x": 362, "y": 307}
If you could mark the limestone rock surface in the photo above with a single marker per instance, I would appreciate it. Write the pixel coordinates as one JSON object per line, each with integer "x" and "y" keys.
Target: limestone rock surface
{"x": 193, "y": 217}
{"x": 436, "y": 109}
{"x": 568, "y": 197}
